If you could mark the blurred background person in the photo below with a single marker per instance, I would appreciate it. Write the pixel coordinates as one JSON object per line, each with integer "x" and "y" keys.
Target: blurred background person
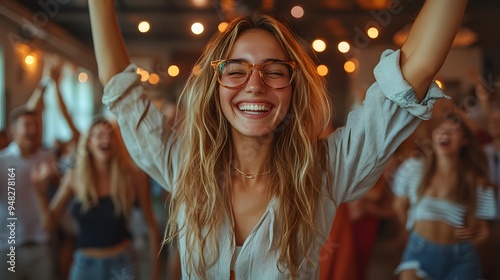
{"x": 445, "y": 200}
{"x": 106, "y": 186}
{"x": 34, "y": 257}
{"x": 492, "y": 150}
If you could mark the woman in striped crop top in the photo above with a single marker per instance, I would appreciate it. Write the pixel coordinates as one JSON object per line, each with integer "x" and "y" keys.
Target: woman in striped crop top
{"x": 445, "y": 201}
{"x": 106, "y": 185}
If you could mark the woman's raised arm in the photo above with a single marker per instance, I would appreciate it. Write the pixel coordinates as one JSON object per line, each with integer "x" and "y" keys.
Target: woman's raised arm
{"x": 429, "y": 42}
{"x": 109, "y": 47}
{"x": 147, "y": 138}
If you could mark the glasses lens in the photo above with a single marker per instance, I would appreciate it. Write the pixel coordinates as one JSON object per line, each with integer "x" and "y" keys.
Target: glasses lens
{"x": 277, "y": 74}
{"x": 232, "y": 73}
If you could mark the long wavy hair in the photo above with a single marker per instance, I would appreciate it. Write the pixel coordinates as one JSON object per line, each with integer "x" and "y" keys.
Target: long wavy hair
{"x": 472, "y": 167}
{"x": 121, "y": 172}
{"x": 300, "y": 158}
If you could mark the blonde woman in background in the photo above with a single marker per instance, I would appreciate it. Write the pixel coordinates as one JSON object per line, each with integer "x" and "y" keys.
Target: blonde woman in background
{"x": 106, "y": 185}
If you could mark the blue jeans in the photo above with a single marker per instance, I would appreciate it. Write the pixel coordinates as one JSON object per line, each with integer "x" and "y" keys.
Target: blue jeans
{"x": 118, "y": 267}
{"x": 434, "y": 261}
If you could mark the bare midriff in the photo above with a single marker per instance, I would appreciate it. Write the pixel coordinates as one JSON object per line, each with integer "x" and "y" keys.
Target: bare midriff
{"x": 108, "y": 251}
{"x": 436, "y": 232}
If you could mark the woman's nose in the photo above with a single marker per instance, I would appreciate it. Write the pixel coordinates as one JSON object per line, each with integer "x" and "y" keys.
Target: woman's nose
{"x": 255, "y": 83}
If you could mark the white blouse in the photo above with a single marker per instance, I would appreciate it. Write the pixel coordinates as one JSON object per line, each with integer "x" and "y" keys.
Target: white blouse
{"x": 358, "y": 155}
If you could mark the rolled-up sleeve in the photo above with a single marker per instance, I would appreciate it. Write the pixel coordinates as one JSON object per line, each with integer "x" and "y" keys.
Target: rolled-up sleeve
{"x": 390, "y": 113}
{"x": 148, "y": 140}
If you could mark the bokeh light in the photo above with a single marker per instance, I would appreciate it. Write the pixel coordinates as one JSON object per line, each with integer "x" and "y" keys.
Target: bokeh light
{"x": 319, "y": 45}
{"x": 222, "y": 26}
{"x": 297, "y": 12}
{"x": 344, "y": 47}
{"x": 322, "y": 70}
{"x": 197, "y": 28}
{"x": 372, "y": 32}
{"x": 173, "y": 70}
{"x": 144, "y": 75}
{"x": 350, "y": 66}
{"x": 29, "y": 59}
{"x": 143, "y": 26}
{"x": 154, "y": 79}
{"x": 83, "y": 77}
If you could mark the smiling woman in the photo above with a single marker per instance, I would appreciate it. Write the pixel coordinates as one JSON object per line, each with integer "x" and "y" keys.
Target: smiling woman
{"x": 254, "y": 187}
{"x": 261, "y": 108}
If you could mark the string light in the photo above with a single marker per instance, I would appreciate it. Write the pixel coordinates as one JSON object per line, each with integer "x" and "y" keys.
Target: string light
{"x": 154, "y": 79}
{"x": 319, "y": 45}
{"x": 344, "y": 47}
{"x": 372, "y": 32}
{"x": 297, "y": 12}
{"x": 29, "y": 59}
{"x": 173, "y": 70}
{"x": 222, "y": 26}
{"x": 143, "y": 26}
{"x": 322, "y": 70}
{"x": 144, "y": 75}
{"x": 83, "y": 77}
{"x": 350, "y": 66}
{"x": 197, "y": 28}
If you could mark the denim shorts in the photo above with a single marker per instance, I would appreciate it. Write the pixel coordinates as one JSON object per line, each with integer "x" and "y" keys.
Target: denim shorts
{"x": 111, "y": 268}
{"x": 434, "y": 261}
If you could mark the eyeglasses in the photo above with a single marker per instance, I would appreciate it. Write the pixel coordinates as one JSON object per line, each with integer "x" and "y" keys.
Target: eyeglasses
{"x": 233, "y": 73}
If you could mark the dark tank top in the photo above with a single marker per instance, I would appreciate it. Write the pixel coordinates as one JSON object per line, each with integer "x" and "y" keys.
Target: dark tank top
{"x": 99, "y": 227}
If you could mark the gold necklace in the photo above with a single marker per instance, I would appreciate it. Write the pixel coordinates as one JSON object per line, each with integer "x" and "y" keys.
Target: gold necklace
{"x": 251, "y": 176}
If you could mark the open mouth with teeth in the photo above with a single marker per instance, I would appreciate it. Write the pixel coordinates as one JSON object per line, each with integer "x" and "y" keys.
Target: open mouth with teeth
{"x": 254, "y": 108}
{"x": 444, "y": 142}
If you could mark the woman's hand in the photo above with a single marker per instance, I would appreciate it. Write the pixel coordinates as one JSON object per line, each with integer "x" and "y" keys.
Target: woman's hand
{"x": 56, "y": 65}
{"x": 42, "y": 175}
{"x": 465, "y": 233}
{"x": 477, "y": 234}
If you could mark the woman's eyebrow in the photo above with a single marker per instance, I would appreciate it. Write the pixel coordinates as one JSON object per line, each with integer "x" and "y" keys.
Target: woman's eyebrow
{"x": 265, "y": 60}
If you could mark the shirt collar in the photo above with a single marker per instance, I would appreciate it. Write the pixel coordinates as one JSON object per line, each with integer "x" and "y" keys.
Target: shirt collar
{"x": 14, "y": 149}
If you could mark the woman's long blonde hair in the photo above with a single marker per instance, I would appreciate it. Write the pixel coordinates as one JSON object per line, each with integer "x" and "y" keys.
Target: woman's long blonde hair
{"x": 472, "y": 167}
{"x": 299, "y": 157}
{"x": 121, "y": 168}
